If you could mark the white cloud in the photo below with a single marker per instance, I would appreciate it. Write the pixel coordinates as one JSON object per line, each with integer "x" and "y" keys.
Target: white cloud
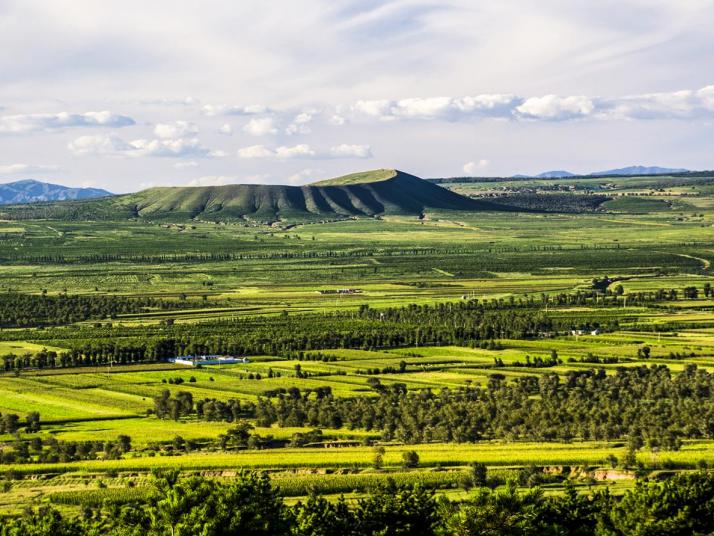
{"x": 473, "y": 167}
{"x": 23, "y": 123}
{"x": 706, "y": 97}
{"x": 351, "y": 151}
{"x": 212, "y": 180}
{"x": 336, "y": 120}
{"x": 299, "y": 123}
{"x": 296, "y": 151}
{"x": 112, "y": 145}
{"x": 28, "y": 169}
{"x": 260, "y": 126}
{"x": 441, "y": 108}
{"x": 226, "y": 129}
{"x": 175, "y": 129}
{"x": 283, "y": 152}
{"x": 102, "y": 144}
{"x": 304, "y": 150}
{"x": 255, "y": 151}
{"x": 684, "y": 104}
{"x": 556, "y": 108}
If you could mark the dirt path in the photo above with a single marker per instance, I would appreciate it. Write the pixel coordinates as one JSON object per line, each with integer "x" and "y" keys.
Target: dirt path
{"x": 706, "y": 264}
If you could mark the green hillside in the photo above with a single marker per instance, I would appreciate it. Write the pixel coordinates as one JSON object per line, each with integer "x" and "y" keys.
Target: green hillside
{"x": 379, "y": 192}
{"x": 362, "y": 177}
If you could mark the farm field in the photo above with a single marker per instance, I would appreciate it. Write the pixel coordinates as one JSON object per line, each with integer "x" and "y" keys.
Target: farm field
{"x": 355, "y": 312}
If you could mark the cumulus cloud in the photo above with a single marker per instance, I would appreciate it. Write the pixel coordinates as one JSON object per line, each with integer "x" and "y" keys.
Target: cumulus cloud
{"x": 351, "y": 151}
{"x": 555, "y": 108}
{"x": 255, "y": 151}
{"x": 226, "y": 129}
{"x": 23, "y": 123}
{"x": 113, "y": 145}
{"x": 473, "y": 167}
{"x": 175, "y": 129}
{"x": 304, "y": 150}
{"x": 684, "y": 104}
{"x": 260, "y": 126}
{"x": 444, "y": 108}
{"x": 212, "y": 180}
{"x": 299, "y": 124}
{"x": 28, "y": 169}
{"x": 296, "y": 151}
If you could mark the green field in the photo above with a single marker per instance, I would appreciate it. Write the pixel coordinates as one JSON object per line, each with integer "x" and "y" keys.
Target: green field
{"x": 232, "y": 282}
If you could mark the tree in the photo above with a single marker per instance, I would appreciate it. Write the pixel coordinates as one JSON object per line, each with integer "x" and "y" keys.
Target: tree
{"x": 10, "y": 423}
{"x": 44, "y": 521}
{"x": 248, "y": 506}
{"x": 393, "y": 510}
{"x": 179, "y": 443}
{"x": 124, "y": 443}
{"x": 680, "y": 506}
{"x": 499, "y": 513}
{"x": 378, "y": 460}
{"x": 410, "y": 459}
{"x": 479, "y": 474}
{"x": 691, "y": 293}
{"x": 32, "y": 422}
{"x": 320, "y": 517}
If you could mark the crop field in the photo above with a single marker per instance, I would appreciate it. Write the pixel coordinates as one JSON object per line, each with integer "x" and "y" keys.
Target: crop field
{"x": 360, "y": 309}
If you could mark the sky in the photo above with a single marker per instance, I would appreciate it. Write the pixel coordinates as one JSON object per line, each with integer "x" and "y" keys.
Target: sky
{"x": 133, "y": 94}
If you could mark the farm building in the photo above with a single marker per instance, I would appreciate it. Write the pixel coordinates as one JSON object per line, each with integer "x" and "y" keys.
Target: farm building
{"x": 195, "y": 360}
{"x": 341, "y": 291}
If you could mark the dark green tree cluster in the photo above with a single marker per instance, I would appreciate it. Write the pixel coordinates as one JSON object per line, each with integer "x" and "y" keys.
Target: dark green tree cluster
{"x": 33, "y": 310}
{"x": 10, "y": 423}
{"x": 250, "y": 506}
{"x": 648, "y": 405}
{"x": 51, "y": 450}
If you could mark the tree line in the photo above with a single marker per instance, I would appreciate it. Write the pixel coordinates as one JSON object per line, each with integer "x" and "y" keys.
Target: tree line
{"x": 250, "y": 506}
{"x": 648, "y": 406}
{"x": 35, "y": 310}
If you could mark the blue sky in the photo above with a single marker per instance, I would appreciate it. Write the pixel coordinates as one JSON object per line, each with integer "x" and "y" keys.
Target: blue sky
{"x": 126, "y": 95}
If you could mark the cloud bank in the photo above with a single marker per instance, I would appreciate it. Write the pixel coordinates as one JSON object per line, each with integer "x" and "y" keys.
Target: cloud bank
{"x": 305, "y": 151}
{"x": 113, "y": 145}
{"x": 24, "y": 123}
{"x": 683, "y": 104}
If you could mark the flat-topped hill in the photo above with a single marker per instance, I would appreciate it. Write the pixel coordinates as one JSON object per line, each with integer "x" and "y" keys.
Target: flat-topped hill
{"x": 370, "y": 193}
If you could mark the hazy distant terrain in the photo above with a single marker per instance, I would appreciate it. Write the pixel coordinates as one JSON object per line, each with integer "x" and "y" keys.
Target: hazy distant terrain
{"x": 32, "y": 191}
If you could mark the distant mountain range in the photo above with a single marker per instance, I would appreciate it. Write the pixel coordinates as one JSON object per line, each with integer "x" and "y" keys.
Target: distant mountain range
{"x": 641, "y": 170}
{"x": 631, "y": 170}
{"x": 371, "y": 193}
{"x": 31, "y": 191}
